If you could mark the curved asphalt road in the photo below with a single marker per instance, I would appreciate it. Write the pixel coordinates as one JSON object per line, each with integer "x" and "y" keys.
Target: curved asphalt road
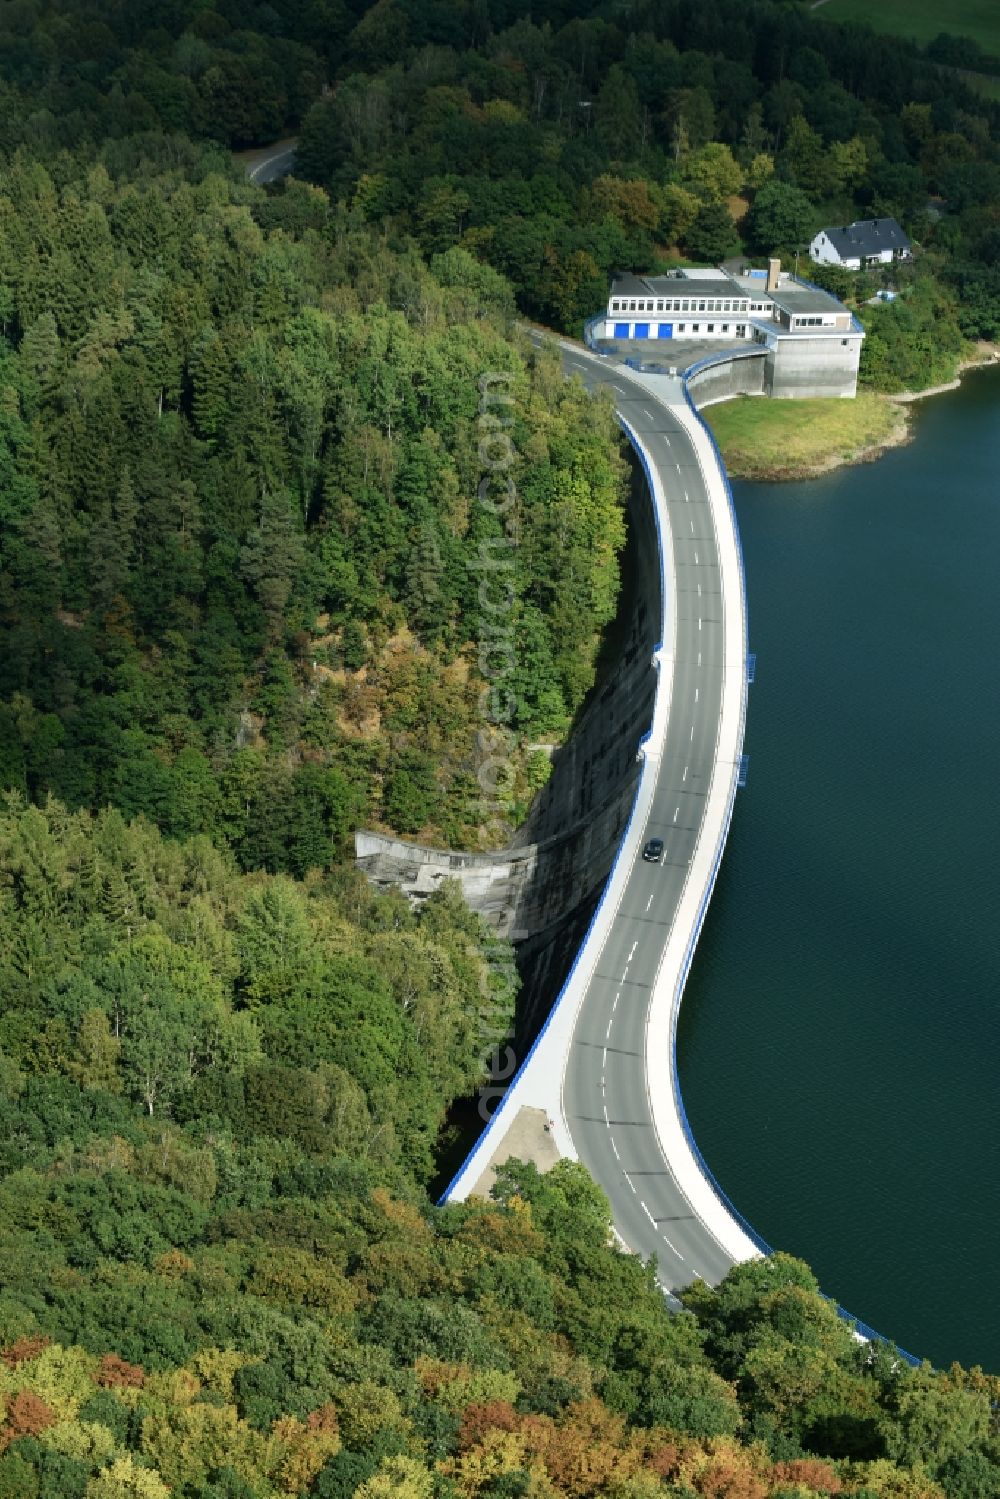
{"x": 274, "y": 166}
{"x": 605, "y": 1085}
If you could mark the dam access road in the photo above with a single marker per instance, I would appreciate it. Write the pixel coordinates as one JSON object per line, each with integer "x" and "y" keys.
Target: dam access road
{"x": 603, "y": 1069}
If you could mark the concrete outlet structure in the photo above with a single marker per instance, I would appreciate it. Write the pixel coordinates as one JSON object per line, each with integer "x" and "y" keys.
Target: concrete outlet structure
{"x": 811, "y": 342}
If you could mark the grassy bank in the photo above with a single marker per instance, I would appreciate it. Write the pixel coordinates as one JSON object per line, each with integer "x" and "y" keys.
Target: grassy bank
{"x": 923, "y": 20}
{"x": 763, "y": 439}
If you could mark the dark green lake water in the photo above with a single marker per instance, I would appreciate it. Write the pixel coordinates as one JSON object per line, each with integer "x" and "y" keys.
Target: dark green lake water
{"x": 840, "y": 1034}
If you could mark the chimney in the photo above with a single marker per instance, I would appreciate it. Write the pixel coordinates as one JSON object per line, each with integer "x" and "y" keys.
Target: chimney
{"x": 773, "y": 270}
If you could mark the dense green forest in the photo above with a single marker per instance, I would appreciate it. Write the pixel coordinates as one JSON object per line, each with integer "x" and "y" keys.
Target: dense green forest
{"x": 243, "y": 438}
{"x": 594, "y": 137}
{"x": 220, "y": 1277}
{"x": 241, "y": 454}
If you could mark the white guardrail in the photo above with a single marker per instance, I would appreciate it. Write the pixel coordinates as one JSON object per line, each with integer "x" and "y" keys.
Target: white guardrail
{"x": 539, "y": 1082}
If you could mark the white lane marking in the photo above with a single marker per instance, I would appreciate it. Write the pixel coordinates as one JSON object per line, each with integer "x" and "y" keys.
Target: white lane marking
{"x": 676, "y": 1250}
{"x": 646, "y": 409}
{"x": 270, "y": 161}
{"x": 606, "y": 1119}
{"x": 699, "y": 626}
{"x": 614, "y": 1147}
{"x": 635, "y": 944}
{"x": 692, "y": 528}
{"x": 685, "y": 775}
{"x": 699, "y": 658}
{"x": 649, "y": 903}
{"x": 630, "y": 1181}
{"x": 649, "y": 1215}
{"x": 617, "y": 998}
{"x": 691, "y": 735}
{"x": 607, "y": 1033}
{"x": 676, "y": 810}
{"x": 696, "y": 556}
{"x": 696, "y": 691}
{"x": 699, "y": 590}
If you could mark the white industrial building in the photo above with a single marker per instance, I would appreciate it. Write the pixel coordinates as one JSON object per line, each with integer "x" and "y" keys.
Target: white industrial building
{"x": 811, "y": 340}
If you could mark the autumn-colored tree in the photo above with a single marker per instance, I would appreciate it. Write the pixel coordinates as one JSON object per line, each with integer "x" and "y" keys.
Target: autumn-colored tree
{"x": 116, "y": 1373}
{"x": 23, "y": 1350}
{"x": 27, "y": 1415}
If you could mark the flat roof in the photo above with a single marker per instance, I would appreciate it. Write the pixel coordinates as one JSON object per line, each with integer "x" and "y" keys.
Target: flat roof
{"x": 708, "y": 284}
{"x": 702, "y": 286}
{"x": 776, "y": 331}
{"x": 625, "y": 284}
{"x": 801, "y": 299}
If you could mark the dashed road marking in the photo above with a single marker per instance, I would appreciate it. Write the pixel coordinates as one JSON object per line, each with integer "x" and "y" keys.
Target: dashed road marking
{"x": 649, "y": 903}
{"x": 685, "y": 775}
{"x": 676, "y": 1250}
{"x": 676, "y": 810}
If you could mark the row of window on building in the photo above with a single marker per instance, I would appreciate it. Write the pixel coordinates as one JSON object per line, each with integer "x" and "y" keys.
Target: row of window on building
{"x": 679, "y": 305}
{"x": 669, "y": 330}
{"x": 740, "y": 330}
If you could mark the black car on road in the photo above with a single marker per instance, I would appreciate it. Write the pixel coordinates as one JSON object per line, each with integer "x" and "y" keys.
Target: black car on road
{"x": 653, "y": 850}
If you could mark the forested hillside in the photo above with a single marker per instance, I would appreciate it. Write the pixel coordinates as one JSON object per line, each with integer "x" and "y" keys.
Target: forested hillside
{"x": 564, "y": 144}
{"x": 240, "y": 446}
{"x": 243, "y": 438}
{"x": 220, "y": 1277}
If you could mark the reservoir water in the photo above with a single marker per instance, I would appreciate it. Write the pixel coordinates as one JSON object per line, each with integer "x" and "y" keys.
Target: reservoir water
{"x": 840, "y": 1035}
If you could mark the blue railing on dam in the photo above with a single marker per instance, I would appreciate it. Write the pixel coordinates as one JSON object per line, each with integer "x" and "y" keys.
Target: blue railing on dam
{"x": 754, "y": 1237}
{"x": 762, "y": 1244}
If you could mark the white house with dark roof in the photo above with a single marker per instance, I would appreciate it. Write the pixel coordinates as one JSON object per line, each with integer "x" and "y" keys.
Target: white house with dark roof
{"x": 863, "y": 243}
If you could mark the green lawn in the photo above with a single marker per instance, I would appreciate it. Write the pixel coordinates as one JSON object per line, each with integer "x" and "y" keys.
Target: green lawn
{"x": 984, "y": 84}
{"x": 762, "y": 439}
{"x": 922, "y": 20}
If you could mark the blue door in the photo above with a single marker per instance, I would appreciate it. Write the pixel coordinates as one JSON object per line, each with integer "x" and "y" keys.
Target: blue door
{"x": 641, "y": 330}
{"x": 666, "y": 330}
{"x": 621, "y": 330}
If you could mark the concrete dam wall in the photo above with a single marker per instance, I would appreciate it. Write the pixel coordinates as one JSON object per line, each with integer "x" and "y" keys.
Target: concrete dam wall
{"x": 541, "y": 890}
{"x": 725, "y": 375}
